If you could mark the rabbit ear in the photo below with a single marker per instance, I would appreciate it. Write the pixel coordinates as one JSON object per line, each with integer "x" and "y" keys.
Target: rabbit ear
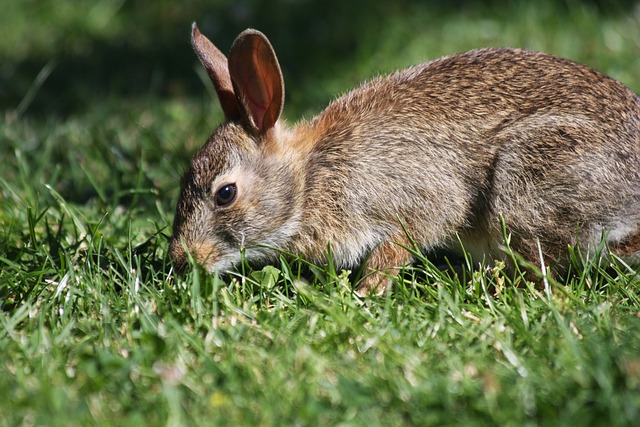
{"x": 215, "y": 63}
{"x": 257, "y": 78}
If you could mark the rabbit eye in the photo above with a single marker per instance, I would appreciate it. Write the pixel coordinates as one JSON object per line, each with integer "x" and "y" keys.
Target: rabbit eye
{"x": 226, "y": 194}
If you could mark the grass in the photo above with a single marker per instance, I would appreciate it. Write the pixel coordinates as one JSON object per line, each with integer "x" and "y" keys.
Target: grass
{"x": 95, "y": 329}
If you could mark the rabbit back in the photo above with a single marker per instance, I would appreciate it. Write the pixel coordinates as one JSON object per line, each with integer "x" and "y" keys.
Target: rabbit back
{"x": 448, "y": 147}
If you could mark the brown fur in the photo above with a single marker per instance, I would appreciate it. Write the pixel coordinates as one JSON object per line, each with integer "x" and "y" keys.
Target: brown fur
{"x": 441, "y": 149}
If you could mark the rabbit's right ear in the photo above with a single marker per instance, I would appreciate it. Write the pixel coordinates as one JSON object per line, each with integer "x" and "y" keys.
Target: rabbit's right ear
{"x": 215, "y": 63}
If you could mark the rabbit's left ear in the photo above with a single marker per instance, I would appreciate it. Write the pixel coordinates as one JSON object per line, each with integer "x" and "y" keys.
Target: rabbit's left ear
{"x": 257, "y": 78}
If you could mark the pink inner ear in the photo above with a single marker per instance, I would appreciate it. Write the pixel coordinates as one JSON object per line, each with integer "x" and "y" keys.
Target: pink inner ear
{"x": 257, "y": 77}
{"x": 260, "y": 97}
{"x": 253, "y": 82}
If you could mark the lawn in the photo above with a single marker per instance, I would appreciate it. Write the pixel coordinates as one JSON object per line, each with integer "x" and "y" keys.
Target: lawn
{"x": 102, "y": 105}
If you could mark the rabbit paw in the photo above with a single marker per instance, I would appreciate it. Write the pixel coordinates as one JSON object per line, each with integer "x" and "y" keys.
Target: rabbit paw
{"x": 382, "y": 266}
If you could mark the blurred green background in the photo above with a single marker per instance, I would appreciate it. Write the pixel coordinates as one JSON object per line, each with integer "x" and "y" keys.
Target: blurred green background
{"x": 61, "y": 57}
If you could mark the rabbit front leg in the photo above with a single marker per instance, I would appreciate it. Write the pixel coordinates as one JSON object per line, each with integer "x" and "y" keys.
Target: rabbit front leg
{"x": 383, "y": 265}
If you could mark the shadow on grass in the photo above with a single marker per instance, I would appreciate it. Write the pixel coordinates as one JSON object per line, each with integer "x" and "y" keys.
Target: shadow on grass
{"x": 144, "y": 49}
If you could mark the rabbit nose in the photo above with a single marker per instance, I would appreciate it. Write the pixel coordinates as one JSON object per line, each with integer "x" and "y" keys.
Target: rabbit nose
{"x": 178, "y": 255}
{"x": 179, "y": 265}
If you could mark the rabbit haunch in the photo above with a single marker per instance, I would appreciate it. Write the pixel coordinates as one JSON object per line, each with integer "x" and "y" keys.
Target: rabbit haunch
{"x": 439, "y": 150}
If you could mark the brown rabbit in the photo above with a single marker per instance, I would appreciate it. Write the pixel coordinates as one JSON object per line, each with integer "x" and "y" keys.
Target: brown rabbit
{"x": 439, "y": 150}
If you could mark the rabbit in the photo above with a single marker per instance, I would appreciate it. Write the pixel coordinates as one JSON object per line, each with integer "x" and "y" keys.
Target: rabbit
{"x": 432, "y": 156}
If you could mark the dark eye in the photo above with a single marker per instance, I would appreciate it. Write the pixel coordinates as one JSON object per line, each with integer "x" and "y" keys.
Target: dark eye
{"x": 226, "y": 194}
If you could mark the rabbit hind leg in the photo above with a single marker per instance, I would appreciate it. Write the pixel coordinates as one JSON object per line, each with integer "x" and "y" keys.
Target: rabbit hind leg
{"x": 627, "y": 249}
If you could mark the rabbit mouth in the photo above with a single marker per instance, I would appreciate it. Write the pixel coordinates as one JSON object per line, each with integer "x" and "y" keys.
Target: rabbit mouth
{"x": 205, "y": 254}
{"x": 215, "y": 259}
{"x": 211, "y": 258}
